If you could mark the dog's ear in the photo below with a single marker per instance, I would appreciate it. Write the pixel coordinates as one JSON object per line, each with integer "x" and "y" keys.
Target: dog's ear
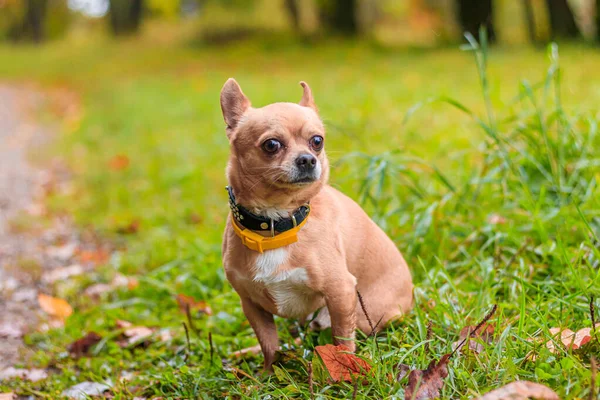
{"x": 307, "y": 97}
{"x": 233, "y": 104}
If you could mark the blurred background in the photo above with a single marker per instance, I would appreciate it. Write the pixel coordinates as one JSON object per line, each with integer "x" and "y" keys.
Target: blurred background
{"x": 481, "y": 165}
{"x": 422, "y": 23}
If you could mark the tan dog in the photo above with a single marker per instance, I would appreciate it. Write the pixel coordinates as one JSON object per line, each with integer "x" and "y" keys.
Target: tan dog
{"x": 319, "y": 246}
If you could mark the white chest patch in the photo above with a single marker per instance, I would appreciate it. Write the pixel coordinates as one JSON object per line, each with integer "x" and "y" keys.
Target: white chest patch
{"x": 268, "y": 263}
{"x": 288, "y": 288}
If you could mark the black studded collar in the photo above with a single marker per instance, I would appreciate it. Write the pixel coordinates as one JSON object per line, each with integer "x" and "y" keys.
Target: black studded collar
{"x": 249, "y": 220}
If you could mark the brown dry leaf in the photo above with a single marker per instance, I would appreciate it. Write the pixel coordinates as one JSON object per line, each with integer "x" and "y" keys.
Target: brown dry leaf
{"x": 82, "y": 346}
{"x": 521, "y": 390}
{"x": 54, "y": 306}
{"x": 194, "y": 218}
{"x": 571, "y": 340}
{"x": 185, "y": 301}
{"x": 10, "y": 330}
{"x": 132, "y": 283}
{"x": 132, "y": 334}
{"x": 253, "y": 351}
{"x": 129, "y": 229}
{"x": 119, "y": 162}
{"x": 496, "y": 219}
{"x": 403, "y": 371}
{"x": 96, "y": 256}
{"x": 341, "y": 364}
{"x": 63, "y": 252}
{"x": 485, "y": 334}
{"x": 120, "y": 280}
{"x": 7, "y": 396}
{"x": 62, "y": 273}
{"x": 426, "y": 384}
{"x": 121, "y": 324}
{"x": 97, "y": 289}
{"x": 32, "y": 375}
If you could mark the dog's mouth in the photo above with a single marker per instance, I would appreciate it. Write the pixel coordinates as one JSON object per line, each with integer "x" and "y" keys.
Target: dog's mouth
{"x": 304, "y": 180}
{"x": 298, "y": 182}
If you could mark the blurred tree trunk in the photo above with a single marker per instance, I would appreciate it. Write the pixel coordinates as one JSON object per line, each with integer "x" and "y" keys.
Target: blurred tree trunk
{"x": 473, "y": 14}
{"x": 125, "y": 16}
{"x": 598, "y": 20}
{"x": 35, "y": 16}
{"x": 562, "y": 21}
{"x": 294, "y": 12}
{"x": 339, "y": 16}
{"x": 530, "y": 20}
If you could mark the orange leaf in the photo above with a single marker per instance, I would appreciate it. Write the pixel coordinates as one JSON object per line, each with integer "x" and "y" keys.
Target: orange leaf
{"x": 119, "y": 162}
{"x": 184, "y": 301}
{"x": 341, "y": 364}
{"x": 98, "y": 256}
{"x": 55, "y": 306}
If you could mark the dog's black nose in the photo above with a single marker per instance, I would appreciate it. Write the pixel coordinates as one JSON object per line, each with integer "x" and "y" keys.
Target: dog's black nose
{"x": 306, "y": 162}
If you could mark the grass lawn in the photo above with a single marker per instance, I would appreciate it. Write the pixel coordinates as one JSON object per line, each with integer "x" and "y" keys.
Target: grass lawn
{"x": 489, "y": 207}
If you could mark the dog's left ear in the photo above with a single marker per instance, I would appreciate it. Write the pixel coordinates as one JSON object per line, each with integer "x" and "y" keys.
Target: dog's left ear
{"x": 307, "y": 97}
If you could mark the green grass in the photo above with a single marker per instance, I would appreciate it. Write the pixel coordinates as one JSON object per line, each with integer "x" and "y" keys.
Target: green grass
{"x": 431, "y": 143}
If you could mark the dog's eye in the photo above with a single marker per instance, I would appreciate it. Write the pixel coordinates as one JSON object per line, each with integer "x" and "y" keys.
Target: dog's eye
{"x": 271, "y": 146}
{"x": 316, "y": 142}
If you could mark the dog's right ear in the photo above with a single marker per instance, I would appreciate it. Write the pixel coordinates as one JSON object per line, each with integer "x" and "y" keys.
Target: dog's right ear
{"x": 233, "y": 104}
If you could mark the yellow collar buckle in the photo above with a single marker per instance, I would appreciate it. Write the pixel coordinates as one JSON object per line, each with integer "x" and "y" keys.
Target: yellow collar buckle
{"x": 259, "y": 243}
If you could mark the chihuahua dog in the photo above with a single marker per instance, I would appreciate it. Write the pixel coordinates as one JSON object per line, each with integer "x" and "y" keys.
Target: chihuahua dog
{"x": 293, "y": 244}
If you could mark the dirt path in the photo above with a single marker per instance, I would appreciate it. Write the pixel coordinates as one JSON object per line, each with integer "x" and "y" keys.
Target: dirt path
{"x": 24, "y": 256}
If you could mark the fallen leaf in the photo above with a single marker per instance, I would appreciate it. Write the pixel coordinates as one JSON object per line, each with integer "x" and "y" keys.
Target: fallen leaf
{"x": 253, "y": 351}
{"x": 521, "y": 390}
{"x": 32, "y": 375}
{"x": 496, "y": 219}
{"x": 571, "y": 340}
{"x": 96, "y": 256}
{"x": 403, "y": 371}
{"x": 132, "y": 283}
{"x": 129, "y": 229}
{"x": 426, "y": 384}
{"x": 54, "y": 306}
{"x": 132, "y": 334}
{"x": 82, "y": 346}
{"x": 341, "y": 364}
{"x": 63, "y": 252}
{"x": 185, "y": 301}
{"x": 121, "y": 324}
{"x": 118, "y": 281}
{"x": 60, "y": 274}
{"x": 53, "y": 323}
{"x": 119, "y": 162}
{"x": 485, "y": 334}
{"x": 165, "y": 335}
{"x": 85, "y": 390}
{"x": 7, "y": 396}
{"x": 97, "y": 289}
{"x": 194, "y": 218}
{"x": 11, "y": 331}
